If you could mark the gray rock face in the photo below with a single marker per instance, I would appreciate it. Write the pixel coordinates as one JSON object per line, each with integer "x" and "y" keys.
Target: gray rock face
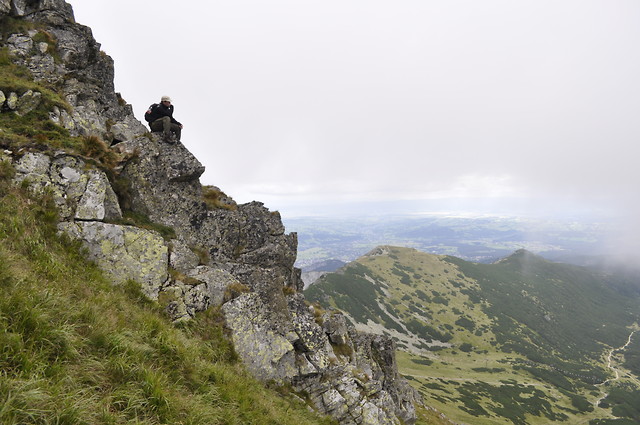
{"x": 237, "y": 257}
{"x": 84, "y": 72}
{"x": 49, "y": 11}
{"x": 98, "y": 202}
{"x": 124, "y": 252}
{"x": 78, "y": 191}
{"x": 199, "y": 289}
{"x": 28, "y": 102}
{"x": 266, "y": 349}
{"x": 175, "y": 197}
{"x": 182, "y": 258}
{"x": 5, "y": 6}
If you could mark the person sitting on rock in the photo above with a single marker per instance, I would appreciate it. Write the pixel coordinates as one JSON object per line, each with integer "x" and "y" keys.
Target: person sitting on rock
{"x": 160, "y": 119}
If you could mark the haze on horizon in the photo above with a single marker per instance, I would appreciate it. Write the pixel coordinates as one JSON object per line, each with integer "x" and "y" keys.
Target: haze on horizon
{"x": 313, "y": 106}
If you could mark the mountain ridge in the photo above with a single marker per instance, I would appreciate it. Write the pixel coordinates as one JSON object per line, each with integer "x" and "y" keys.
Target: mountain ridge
{"x": 524, "y": 319}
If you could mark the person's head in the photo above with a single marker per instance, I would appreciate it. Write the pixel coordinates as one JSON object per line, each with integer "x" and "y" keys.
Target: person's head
{"x": 165, "y": 100}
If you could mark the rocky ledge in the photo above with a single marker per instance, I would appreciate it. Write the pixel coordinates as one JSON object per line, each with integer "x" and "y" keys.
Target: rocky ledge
{"x": 237, "y": 258}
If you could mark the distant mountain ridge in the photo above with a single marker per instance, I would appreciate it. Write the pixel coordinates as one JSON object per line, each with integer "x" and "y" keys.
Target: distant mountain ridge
{"x": 520, "y": 322}
{"x": 474, "y": 238}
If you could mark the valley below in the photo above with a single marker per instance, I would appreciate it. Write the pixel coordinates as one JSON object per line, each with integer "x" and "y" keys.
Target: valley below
{"x": 521, "y": 341}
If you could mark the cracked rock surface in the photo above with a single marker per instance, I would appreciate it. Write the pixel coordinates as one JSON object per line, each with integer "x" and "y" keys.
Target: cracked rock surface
{"x": 236, "y": 257}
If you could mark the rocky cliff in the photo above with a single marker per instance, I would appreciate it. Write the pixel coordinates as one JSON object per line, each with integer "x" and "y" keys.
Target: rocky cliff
{"x": 237, "y": 258}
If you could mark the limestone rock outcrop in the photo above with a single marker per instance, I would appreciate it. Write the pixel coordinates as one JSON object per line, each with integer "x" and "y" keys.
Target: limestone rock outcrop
{"x": 124, "y": 252}
{"x": 236, "y": 257}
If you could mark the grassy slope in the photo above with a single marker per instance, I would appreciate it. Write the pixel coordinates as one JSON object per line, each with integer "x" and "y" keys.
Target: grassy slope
{"x": 74, "y": 349}
{"x": 524, "y": 332}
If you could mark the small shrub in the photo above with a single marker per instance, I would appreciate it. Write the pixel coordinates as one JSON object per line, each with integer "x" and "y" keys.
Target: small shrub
{"x": 131, "y": 218}
{"x": 215, "y": 199}
{"x": 235, "y": 290}
{"x": 466, "y": 323}
{"x": 288, "y": 290}
{"x": 466, "y": 347}
{"x": 94, "y": 147}
{"x": 422, "y": 361}
{"x": 203, "y": 255}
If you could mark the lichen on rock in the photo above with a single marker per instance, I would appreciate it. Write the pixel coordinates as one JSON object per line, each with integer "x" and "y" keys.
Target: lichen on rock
{"x": 124, "y": 252}
{"x": 238, "y": 258}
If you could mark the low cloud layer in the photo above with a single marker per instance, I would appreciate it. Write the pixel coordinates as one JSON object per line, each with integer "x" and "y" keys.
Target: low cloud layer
{"x": 533, "y": 104}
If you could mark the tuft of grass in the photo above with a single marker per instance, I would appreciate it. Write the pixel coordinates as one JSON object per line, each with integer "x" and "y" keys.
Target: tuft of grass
{"x": 342, "y": 350}
{"x": 131, "y": 218}
{"x": 214, "y": 198}
{"x": 288, "y": 290}
{"x": 235, "y": 290}
{"x": 203, "y": 255}
{"x": 318, "y": 312}
{"x": 96, "y": 148}
{"x": 52, "y": 42}
{"x": 187, "y": 280}
{"x": 6, "y": 174}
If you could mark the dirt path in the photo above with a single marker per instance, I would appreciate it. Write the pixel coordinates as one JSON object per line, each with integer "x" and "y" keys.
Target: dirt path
{"x": 612, "y": 367}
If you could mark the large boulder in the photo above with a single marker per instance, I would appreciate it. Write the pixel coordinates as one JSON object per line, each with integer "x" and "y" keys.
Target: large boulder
{"x": 264, "y": 344}
{"x": 124, "y": 252}
{"x": 174, "y": 198}
{"x": 79, "y": 191}
{"x": 99, "y": 201}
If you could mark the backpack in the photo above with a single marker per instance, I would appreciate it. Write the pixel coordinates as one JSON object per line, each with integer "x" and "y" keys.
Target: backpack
{"x": 148, "y": 116}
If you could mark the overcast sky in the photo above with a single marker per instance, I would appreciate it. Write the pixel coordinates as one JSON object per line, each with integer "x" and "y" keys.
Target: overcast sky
{"x": 305, "y": 104}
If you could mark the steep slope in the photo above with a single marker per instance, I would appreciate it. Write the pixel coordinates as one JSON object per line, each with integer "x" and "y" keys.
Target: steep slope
{"x": 74, "y": 349}
{"x": 135, "y": 204}
{"x": 480, "y": 339}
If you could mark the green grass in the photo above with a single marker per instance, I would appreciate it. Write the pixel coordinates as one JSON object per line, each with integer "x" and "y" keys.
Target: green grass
{"x": 75, "y": 349}
{"x": 35, "y": 128}
{"x": 527, "y": 336}
{"x": 214, "y": 199}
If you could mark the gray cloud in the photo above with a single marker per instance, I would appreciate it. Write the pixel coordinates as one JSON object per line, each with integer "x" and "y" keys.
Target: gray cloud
{"x": 306, "y": 102}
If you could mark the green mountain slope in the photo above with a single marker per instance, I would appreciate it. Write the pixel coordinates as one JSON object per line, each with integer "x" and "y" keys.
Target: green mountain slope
{"x": 521, "y": 341}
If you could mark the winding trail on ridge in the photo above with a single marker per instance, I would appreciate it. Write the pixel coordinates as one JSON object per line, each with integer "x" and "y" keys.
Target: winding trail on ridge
{"x": 610, "y": 366}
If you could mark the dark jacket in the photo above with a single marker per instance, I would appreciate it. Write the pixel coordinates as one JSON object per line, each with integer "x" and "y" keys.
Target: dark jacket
{"x": 158, "y": 110}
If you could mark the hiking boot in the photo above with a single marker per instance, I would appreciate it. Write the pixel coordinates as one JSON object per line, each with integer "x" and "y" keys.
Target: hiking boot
{"x": 170, "y": 138}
